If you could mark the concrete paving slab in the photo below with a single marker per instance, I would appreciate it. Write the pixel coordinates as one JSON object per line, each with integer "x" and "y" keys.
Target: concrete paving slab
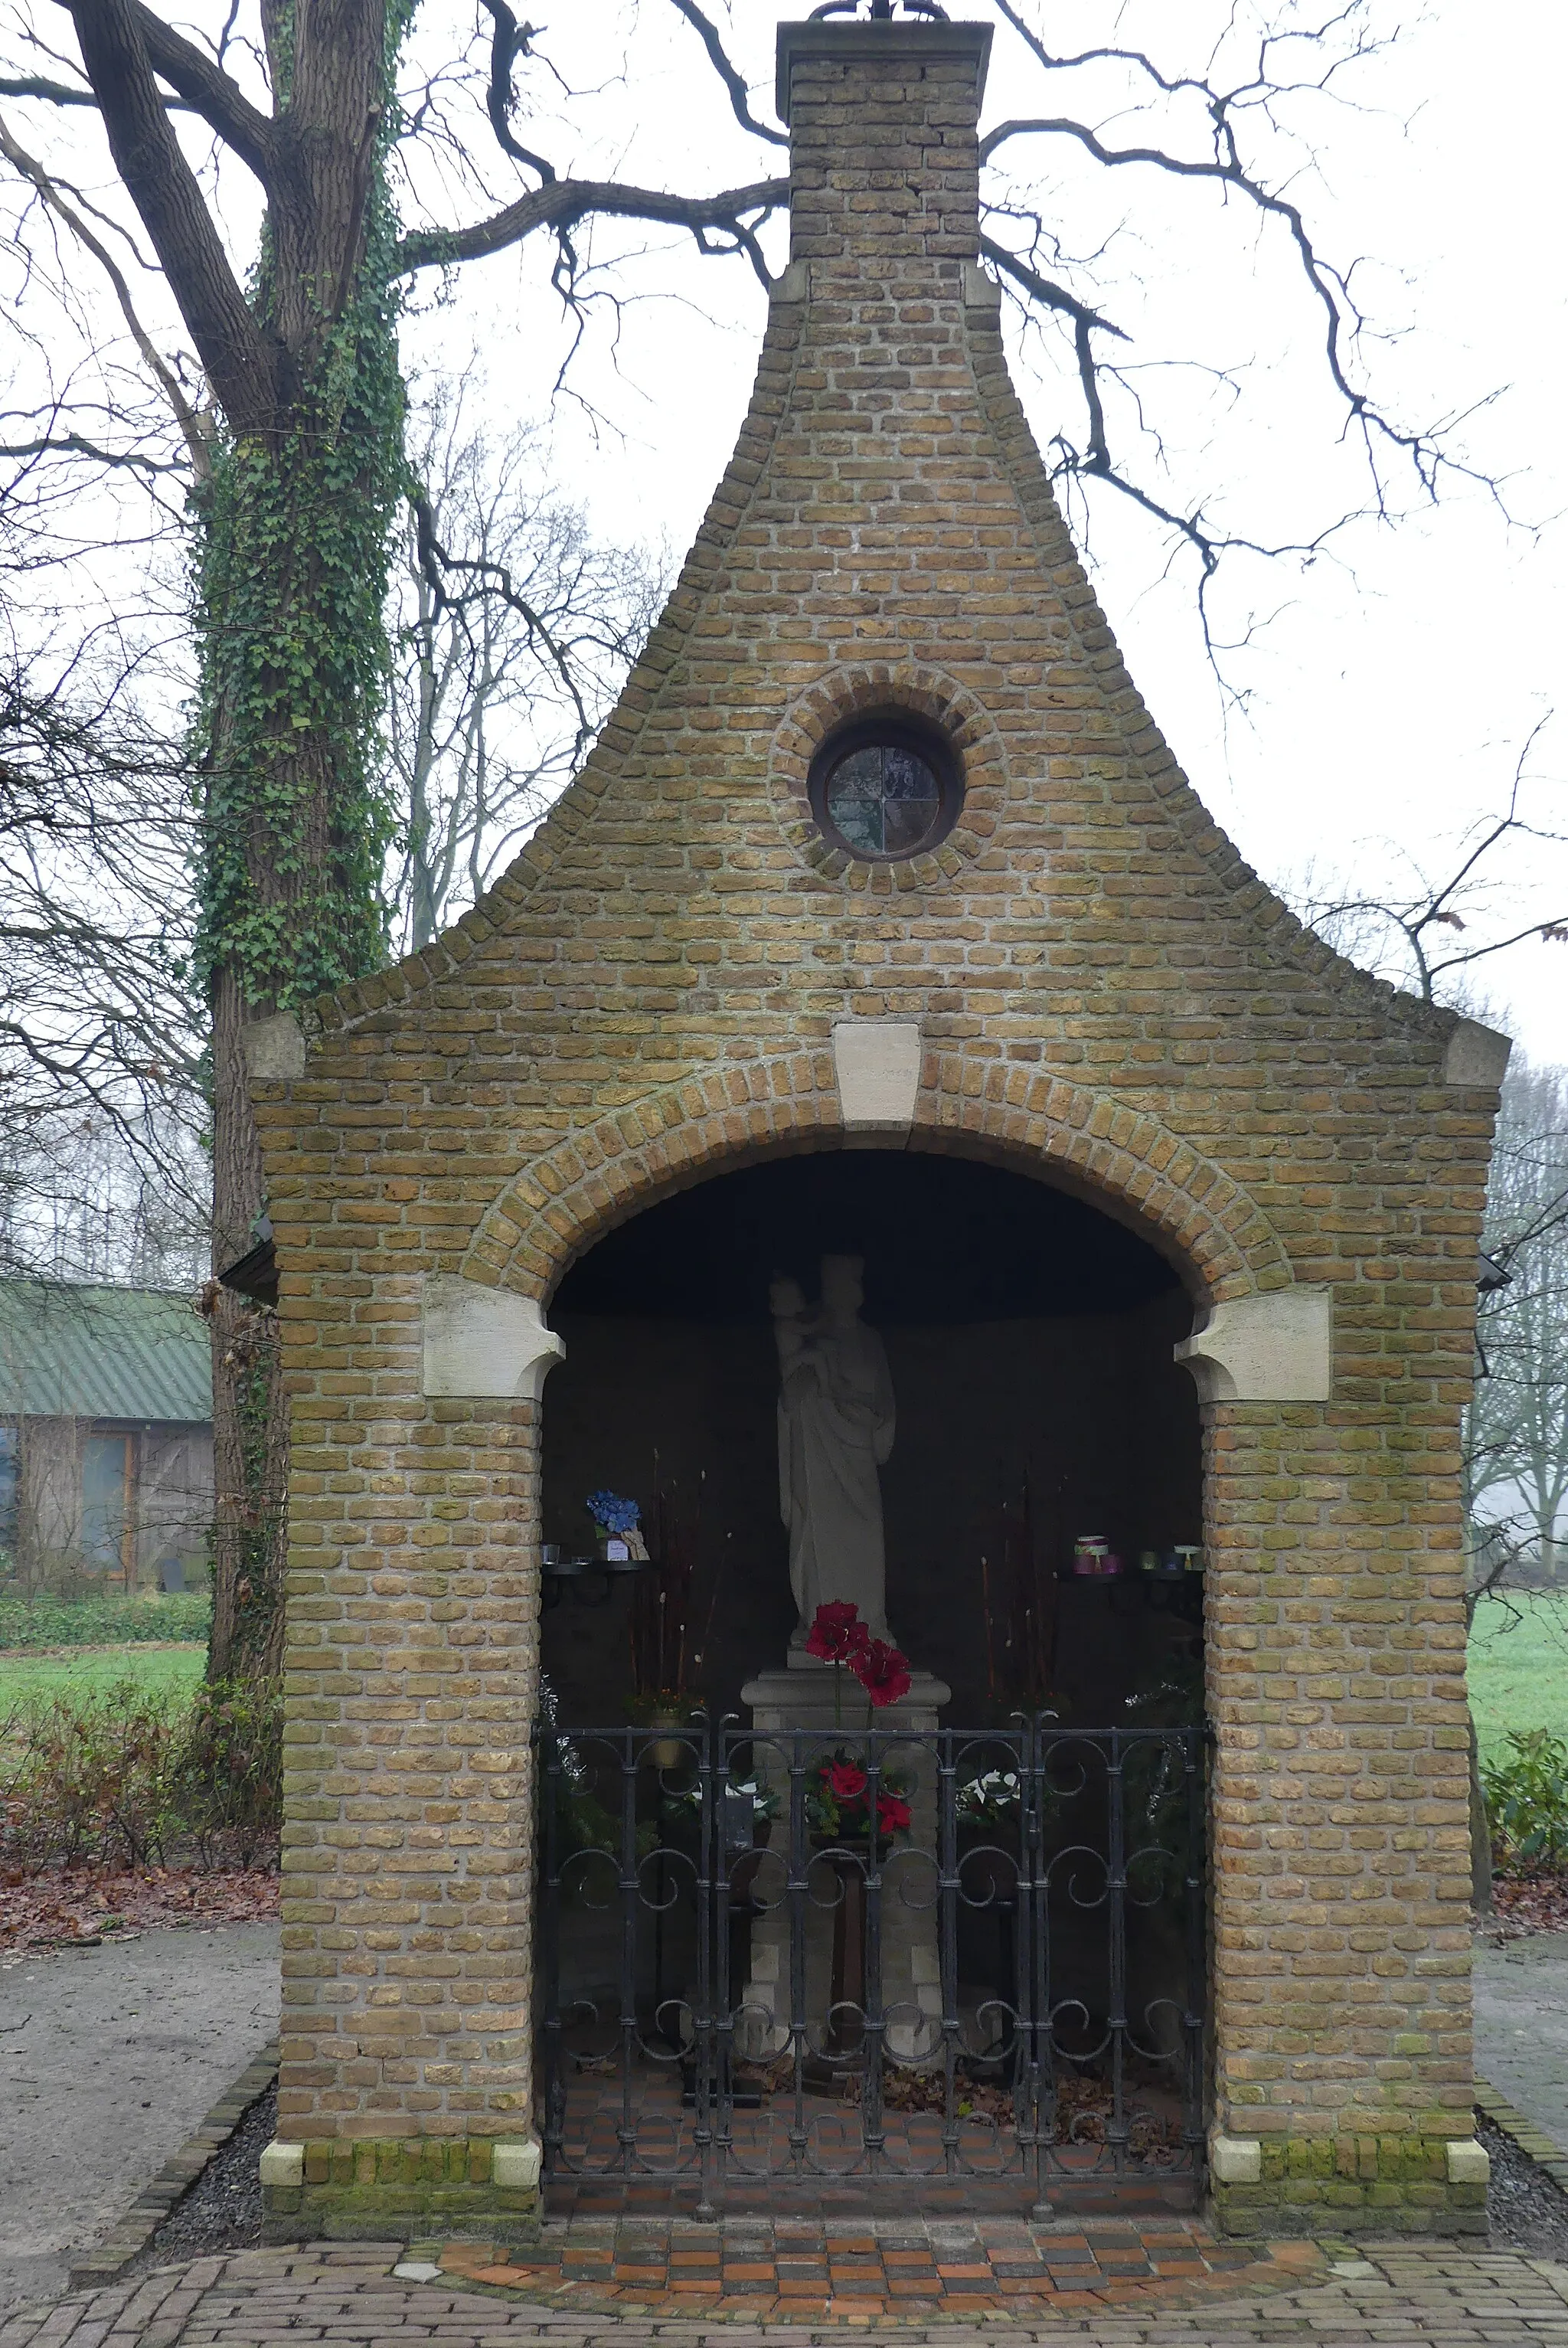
{"x": 109, "y": 2057}
{"x": 1521, "y": 2026}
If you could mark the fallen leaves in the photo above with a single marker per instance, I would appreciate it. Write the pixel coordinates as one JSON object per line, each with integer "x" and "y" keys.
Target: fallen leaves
{"x": 1526, "y": 1903}
{"x": 78, "y": 1907}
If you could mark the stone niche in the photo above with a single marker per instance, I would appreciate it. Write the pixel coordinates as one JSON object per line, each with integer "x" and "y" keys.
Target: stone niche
{"x": 1030, "y": 1342}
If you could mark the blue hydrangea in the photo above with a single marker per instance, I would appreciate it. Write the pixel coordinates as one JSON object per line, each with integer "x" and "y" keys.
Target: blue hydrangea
{"x": 612, "y": 1514}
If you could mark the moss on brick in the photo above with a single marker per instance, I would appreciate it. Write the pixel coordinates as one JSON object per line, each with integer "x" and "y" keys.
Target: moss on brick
{"x": 373, "y": 2190}
{"x": 1351, "y": 2185}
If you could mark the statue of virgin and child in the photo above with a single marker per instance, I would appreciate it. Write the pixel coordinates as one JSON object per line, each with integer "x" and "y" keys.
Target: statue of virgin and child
{"x": 836, "y": 1428}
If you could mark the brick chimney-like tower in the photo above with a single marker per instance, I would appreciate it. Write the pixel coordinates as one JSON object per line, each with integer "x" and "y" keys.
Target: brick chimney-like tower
{"x": 688, "y": 969}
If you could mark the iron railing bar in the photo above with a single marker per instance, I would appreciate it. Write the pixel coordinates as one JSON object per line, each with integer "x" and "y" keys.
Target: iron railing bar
{"x": 1196, "y": 1891}
{"x": 1034, "y": 1969}
{"x": 626, "y": 2133}
{"x": 874, "y": 2141}
{"x": 947, "y": 1942}
{"x": 724, "y": 1989}
{"x": 1117, "y": 2133}
{"x": 796, "y": 1893}
{"x": 554, "y": 2080}
{"x": 702, "y": 2124}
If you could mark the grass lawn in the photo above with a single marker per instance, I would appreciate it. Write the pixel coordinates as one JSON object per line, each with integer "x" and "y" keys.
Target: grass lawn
{"x": 174, "y": 1671}
{"x": 1518, "y": 1666}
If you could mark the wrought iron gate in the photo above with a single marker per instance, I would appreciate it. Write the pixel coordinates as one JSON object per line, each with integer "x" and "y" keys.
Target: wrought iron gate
{"x": 912, "y": 1960}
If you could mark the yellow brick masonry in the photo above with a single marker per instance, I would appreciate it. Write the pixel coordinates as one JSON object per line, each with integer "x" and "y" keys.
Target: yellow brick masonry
{"x": 1107, "y": 996}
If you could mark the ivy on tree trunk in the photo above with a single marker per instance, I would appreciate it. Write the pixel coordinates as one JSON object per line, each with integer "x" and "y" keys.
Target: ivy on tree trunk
{"x": 294, "y": 547}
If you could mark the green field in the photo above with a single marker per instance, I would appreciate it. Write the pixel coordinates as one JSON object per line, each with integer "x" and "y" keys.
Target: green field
{"x": 173, "y": 1671}
{"x": 1518, "y": 1667}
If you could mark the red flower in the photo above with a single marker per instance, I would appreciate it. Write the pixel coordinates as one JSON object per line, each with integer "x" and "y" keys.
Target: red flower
{"x": 846, "y": 1781}
{"x": 883, "y": 1672}
{"x": 892, "y": 1814}
{"x": 837, "y": 1635}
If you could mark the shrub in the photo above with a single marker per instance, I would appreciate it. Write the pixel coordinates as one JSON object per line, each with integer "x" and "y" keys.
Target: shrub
{"x": 227, "y": 1776}
{"x": 107, "y": 1619}
{"x": 88, "y": 1780}
{"x": 124, "y": 1778}
{"x": 1527, "y": 1801}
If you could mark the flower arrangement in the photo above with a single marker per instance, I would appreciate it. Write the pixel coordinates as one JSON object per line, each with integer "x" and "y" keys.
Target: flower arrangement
{"x": 612, "y": 1514}
{"x": 989, "y": 1799}
{"x": 763, "y": 1798}
{"x": 839, "y": 1636}
{"x": 838, "y": 1800}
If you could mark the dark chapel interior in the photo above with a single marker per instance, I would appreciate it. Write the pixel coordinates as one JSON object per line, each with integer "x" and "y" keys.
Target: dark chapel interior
{"x": 1029, "y": 1338}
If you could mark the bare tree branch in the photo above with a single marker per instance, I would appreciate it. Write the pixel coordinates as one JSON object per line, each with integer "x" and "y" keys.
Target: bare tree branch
{"x": 193, "y": 430}
{"x": 175, "y": 210}
{"x": 206, "y": 90}
{"x": 564, "y": 202}
{"x": 508, "y": 41}
{"x": 707, "y": 33}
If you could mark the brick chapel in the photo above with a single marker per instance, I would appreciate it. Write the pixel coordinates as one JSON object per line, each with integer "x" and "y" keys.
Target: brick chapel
{"x": 879, "y": 925}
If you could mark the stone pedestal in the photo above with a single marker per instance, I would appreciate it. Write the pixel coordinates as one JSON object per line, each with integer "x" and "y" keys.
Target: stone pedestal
{"x": 783, "y": 1703}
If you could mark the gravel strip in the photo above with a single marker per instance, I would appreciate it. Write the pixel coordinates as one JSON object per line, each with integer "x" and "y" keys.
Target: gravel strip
{"x": 222, "y": 2210}
{"x": 1528, "y": 2212}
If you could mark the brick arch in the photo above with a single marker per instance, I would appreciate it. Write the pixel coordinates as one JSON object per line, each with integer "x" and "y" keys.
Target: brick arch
{"x": 1116, "y": 1158}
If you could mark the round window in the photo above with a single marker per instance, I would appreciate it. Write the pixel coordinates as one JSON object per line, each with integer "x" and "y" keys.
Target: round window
{"x": 886, "y": 788}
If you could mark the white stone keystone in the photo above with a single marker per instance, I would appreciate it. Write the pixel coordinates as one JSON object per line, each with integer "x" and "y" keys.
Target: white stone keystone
{"x": 274, "y": 1049}
{"x": 1276, "y": 1347}
{"x": 516, "y": 2167}
{"x": 483, "y": 1340}
{"x": 282, "y": 2164}
{"x": 1476, "y": 1056}
{"x": 1235, "y": 2159}
{"x": 1470, "y": 2163}
{"x": 877, "y": 1062}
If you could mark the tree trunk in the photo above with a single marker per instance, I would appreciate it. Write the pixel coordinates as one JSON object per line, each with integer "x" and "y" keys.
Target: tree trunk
{"x": 293, "y": 575}
{"x": 293, "y": 542}
{"x": 249, "y": 1409}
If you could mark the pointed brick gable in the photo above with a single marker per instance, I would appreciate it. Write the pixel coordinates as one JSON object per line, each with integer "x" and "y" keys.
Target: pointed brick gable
{"x": 1103, "y": 995}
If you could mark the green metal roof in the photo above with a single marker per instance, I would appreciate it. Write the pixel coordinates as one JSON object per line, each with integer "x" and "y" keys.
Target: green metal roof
{"x": 74, "y": 1351}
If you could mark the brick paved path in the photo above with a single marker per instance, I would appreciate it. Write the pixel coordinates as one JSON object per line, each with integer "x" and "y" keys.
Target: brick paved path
{"x": 1398, "y": 2297}
{"x": 798, "y": 2270}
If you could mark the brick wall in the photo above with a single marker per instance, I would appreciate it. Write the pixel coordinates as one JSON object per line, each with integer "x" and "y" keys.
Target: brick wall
{"x": 1106, "y": 994}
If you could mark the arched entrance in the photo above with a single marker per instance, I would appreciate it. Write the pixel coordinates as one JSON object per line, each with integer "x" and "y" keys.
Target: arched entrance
{"x": 1004, "y": 1998}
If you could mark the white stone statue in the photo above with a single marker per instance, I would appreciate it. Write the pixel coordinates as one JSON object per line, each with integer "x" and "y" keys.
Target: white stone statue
{"x": 835, "y": 1429}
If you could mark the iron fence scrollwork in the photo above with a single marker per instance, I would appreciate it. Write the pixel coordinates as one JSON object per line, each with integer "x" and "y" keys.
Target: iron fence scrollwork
{"x": 913, "y": 1960}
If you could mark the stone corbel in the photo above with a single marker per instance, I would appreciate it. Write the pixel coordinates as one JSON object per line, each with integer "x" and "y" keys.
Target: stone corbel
{"x": 1274, "y": 1347}
{"x": 793, "y": 283}
{"x": 877, "y": 1063}
{"x": 484, "y": 1342}
{"x": 1476, "y": 1056}
{"x": 274, "y": 1049}
{"x": 982, "y": 292}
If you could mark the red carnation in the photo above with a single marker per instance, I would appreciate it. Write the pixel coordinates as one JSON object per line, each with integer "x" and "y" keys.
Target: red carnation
{"x": 892, "y": 1814}
{"x": 883, "y": 1672}
{"x": 846, "y": 1781}
{"x": 837, "y": 1635}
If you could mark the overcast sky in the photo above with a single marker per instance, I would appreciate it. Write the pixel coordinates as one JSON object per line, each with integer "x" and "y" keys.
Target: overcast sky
{"x": 1397, "y": 679}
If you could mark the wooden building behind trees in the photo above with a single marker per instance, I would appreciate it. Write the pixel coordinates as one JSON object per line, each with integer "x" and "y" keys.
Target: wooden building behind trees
{"x": 105, "y": 1439}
